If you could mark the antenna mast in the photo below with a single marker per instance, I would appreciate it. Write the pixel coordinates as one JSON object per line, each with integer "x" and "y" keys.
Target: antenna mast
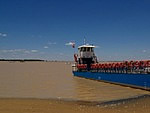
{"x": 84, "y": 41}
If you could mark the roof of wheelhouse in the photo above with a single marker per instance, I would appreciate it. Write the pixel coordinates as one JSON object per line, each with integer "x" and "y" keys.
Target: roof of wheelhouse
{"x": 86, "y": 45}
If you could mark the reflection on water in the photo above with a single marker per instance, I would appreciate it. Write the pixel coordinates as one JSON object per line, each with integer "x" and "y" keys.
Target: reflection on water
{"x": 55, "y": 80}
{"x": 98, "y": 91}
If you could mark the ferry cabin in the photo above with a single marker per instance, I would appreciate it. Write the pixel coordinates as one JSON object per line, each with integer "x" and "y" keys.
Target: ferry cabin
{"x": 86, "y": 55}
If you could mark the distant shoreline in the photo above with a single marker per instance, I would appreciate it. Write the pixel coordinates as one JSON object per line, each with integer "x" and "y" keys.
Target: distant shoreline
{"x": 21, "y": 60}
{"x": 24, "y": 60}
{"x": 32, "y": 60}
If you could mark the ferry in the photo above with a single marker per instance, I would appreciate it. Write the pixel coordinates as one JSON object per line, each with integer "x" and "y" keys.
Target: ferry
{"x": 134, "y": 74}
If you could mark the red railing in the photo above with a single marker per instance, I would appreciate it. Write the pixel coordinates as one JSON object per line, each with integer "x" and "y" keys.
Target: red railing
{"x": 125, "y": 66}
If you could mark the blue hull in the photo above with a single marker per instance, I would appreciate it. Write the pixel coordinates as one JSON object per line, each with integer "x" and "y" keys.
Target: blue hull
{"x": 133, "y": 80}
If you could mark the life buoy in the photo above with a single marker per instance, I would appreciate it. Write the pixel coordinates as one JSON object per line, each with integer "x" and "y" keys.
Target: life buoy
{"x": 141, "y": 64}
{"x": 109, "y": 65}
{"x": 145, "y": 63}
{"x": 81, "y": 66}
{"x": 99, "y": 66}
{"x": 113, "y": 65}
{"x": 102, "y": 66}
{"x": 116, "y": 65}
{"x": 148, "y": 63}
{"x": 136, "y": 64}
{"x": 78, "y": 66}
{"x": 92, "y": 66}
{"x": 106, "y": 66}
{"x": 120, "y": 65}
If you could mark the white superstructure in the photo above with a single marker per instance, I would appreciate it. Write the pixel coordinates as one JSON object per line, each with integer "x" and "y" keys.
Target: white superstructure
{"x": 86, "y": 51}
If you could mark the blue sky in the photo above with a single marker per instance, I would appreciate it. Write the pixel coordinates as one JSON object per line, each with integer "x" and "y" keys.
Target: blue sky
{"x": 41, "y": 28}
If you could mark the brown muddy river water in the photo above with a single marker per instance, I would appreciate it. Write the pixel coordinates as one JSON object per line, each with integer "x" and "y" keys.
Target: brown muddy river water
{"x": 50, "y": 87}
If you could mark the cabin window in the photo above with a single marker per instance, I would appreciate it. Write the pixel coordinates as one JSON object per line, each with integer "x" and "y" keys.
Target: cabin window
{"x": 84, "y": 49}
{"x": 92, "y": 50}
{"x": 80, "y": 49}
{"x": 88, "y": 49}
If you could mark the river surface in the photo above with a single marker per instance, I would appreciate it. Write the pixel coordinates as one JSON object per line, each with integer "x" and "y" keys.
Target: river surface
{"x": 54, "y": 80}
